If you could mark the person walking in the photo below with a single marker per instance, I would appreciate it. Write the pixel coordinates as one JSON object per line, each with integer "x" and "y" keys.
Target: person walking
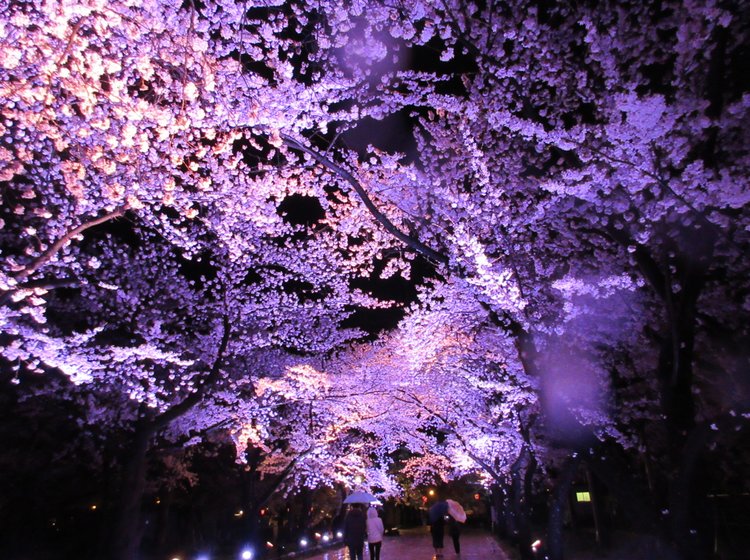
{"x": 437, "y": 514}
{"x": 375, "y": 532}
{"x": 355, "y": 531}
{"x": 455, "y": 519}
{"x": 454, "y": 528}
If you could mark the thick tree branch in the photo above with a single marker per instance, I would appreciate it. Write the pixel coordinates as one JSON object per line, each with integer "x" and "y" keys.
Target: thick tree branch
{"x": 60, "y": 243}
{"x": 194, "y": 398}
{"x": 474, "y": 457}
{"x": 264, "y": 497}
{"x": 415, "y": 244}
{"x": 43, "y": 284}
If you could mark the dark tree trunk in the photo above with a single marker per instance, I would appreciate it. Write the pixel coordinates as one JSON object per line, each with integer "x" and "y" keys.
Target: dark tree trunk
{"x": 676, "y": 376}
{"x": 110, "y": 498}
{"x": 558, "y": 508}
{"x": 635, "y": 501}
{"x": 303, "y": 525}
{"x": 512, "y": 502}
{"x": 256, "y": 492}
{"x": 499, "y": 507}
{"x": 126, "y": 532}
{"x": 522, "y": 474}
{"x": 692, "y": 524}
{"x": 633, "y": 498}
{"x": 596, "y": 509}
{"x": 165, "y": 510}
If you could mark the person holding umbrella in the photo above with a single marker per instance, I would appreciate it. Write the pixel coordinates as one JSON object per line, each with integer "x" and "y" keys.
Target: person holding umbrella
{"x": 355, "y": 524}
{"x": 355, "y": 531}
{"x": 456, "y": 518}
{"x": 436, "y": 515}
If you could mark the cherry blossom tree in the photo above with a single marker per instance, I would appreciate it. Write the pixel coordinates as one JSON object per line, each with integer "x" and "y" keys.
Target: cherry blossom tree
{"x": 155, "y": 112}
{"x": 578, "y": 153}
{"x": 187, "y": 217}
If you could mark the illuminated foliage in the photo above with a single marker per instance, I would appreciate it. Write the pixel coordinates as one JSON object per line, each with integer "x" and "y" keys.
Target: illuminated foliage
{"x": 203, "y": 207}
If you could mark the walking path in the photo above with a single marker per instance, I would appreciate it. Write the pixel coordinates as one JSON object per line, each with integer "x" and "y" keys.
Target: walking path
{"x": 416, "y": 544}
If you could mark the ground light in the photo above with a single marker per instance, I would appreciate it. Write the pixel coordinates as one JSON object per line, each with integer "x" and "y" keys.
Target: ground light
{"x": 246, "y": 554}
{"x": 537, "y": 549}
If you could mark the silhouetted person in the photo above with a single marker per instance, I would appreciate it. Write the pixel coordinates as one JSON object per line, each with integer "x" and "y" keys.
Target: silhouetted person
{"x": 355, "y": 531}
{"x": 454, "y": 528}
{"x": 437, "y": 514}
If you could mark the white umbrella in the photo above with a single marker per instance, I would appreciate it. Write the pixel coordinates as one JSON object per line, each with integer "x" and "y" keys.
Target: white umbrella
{"x": 360, "y": 497}
{"x": 456, "y": 511}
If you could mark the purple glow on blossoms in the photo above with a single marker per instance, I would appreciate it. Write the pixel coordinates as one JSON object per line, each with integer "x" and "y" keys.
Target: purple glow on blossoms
{"x": 196, "y": 241}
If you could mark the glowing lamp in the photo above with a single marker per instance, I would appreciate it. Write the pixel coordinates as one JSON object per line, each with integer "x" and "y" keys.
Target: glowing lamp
{"x": 247, "y": 555}
{"x": 303, "y": 542}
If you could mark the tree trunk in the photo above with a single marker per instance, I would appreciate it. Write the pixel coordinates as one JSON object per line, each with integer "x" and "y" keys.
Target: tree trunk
{"x": 558, "y": 508}
{"x": 513, "y": 500}
{"x": 499, "y": 509}
{"x": 633, "y": 497}
{"x": 165, "y": 509}
{"x": 522, "y": 475}
{"x": 636, "y": 503}
{"x": 595, "y": 509}
{"x": 690, "y": 533}
{"x": 126, "y": 535}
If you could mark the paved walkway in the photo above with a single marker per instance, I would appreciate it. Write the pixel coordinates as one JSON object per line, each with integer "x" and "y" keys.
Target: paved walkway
{"x": 415, "y": 544}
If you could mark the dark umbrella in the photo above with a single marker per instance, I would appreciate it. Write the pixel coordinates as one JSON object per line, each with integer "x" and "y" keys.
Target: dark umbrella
{"x": 437, "y": 511}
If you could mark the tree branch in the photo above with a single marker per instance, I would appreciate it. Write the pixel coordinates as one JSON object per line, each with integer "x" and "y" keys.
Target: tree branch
{"x": 478, "y": 460}
{"x": 189, "y": 402}
{"x": 60, "y": 243}
{"x": 415, "y": 244}
{"x": 43, "y": 284}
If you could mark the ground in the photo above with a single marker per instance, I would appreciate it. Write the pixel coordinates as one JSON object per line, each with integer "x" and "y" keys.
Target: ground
{"x": 415, "y": 544}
